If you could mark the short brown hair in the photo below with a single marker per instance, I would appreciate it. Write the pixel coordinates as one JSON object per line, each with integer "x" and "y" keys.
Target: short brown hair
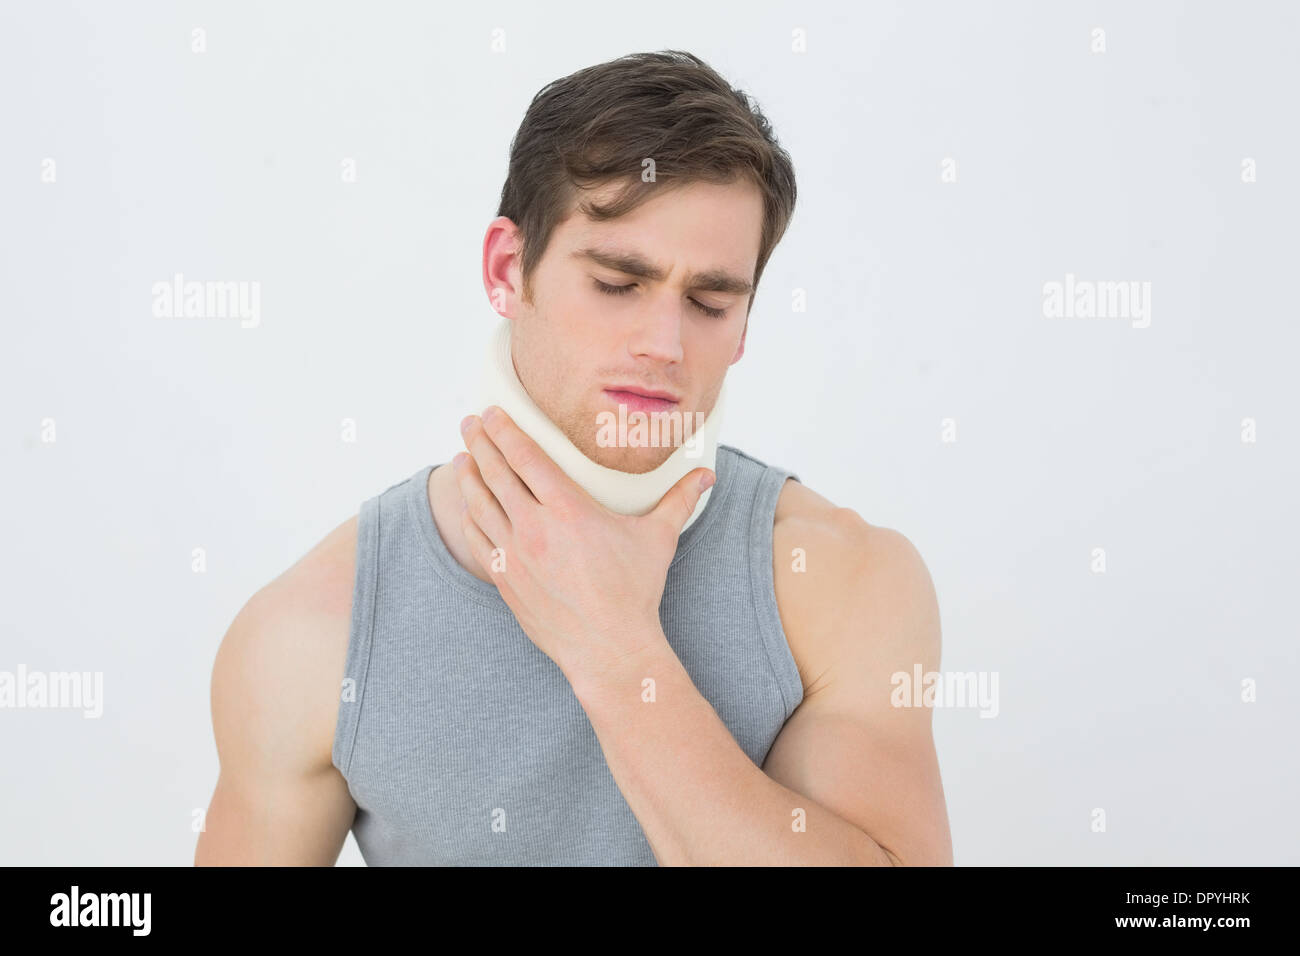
{"x": 598, "y": 124}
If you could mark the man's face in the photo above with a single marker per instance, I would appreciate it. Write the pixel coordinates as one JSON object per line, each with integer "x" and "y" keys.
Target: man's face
{"x": 575, "y": 340}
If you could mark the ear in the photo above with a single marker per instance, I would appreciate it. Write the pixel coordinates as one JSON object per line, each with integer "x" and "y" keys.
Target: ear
{"x": 501, "y": 266}
{"x": 740, "y": 350}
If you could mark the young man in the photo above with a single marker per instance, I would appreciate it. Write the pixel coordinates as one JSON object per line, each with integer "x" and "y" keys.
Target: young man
{"x": 529, "y": 677}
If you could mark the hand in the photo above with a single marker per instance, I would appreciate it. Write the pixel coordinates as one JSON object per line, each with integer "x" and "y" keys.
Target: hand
{"x": 584, "y": 582}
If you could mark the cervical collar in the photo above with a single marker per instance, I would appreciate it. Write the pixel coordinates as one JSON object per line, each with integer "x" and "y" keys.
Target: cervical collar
{"x": 619, "y": 491}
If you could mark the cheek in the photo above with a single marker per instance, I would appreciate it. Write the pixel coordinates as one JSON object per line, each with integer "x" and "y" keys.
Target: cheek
{"x": 577, "y": 310}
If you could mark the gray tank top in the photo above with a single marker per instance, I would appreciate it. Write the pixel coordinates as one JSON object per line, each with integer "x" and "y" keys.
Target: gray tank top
{"x": 463, "y": 744}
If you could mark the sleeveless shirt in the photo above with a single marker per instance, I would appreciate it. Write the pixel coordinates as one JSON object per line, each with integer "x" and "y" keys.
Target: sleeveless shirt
{"x": 462, "y": 744}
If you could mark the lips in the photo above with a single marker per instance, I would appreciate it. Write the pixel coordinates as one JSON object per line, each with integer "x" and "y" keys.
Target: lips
{"x": 647, "y": 392}
{"x": 639, "y": 400}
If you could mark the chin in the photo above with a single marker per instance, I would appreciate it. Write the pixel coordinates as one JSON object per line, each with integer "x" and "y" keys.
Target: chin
{"x": 636, "y": 461}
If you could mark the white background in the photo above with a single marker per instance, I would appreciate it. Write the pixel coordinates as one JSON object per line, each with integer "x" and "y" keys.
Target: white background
{"x": 1119, "y": 691}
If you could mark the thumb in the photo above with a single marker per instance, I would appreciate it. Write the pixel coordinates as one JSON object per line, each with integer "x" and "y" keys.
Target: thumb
{"x": 678, "y": 504}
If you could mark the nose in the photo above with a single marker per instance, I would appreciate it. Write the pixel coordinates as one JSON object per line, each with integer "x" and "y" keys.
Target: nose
{"x": 657, "y": 336}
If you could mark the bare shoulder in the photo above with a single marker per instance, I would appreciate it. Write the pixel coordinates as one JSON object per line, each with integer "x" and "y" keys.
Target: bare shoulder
{"x": 275, "y": 698}
{"x": 861, "y": 610}
{"x": 284, "y": 655}
{"x": 320, "y": 582}
{"x": 846, "y": 587}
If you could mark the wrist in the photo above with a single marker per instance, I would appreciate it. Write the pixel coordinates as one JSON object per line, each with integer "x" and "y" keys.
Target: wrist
{"x": 619, "y": 671}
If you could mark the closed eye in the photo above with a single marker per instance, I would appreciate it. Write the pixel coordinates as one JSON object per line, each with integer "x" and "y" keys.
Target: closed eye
{"x": 627, "y": 289}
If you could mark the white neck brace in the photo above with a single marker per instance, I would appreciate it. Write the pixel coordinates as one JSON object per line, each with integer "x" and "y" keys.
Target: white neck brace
{"x": 619, "y": 491}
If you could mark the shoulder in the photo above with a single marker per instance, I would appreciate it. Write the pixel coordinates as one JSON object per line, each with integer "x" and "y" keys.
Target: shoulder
{"x": 862, "y": 611}
{"x": 318, "y": 586}
{"x": 847, "y": 589}
{"x": 320, "y": 582}
{"x": 282, "y": 659}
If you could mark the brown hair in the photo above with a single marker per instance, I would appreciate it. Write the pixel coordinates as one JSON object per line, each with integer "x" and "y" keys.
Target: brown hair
{"x": 597, "y": 125}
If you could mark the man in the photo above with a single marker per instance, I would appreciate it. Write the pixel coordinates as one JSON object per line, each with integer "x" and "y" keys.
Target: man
{"x": 531, "y": 678}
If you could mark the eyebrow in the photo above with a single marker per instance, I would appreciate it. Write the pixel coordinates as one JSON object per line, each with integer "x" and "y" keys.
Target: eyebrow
{"x": 711, "y": 280}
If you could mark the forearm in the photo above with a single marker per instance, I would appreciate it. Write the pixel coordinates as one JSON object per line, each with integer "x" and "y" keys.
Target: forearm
{"x": 699, "y": 799}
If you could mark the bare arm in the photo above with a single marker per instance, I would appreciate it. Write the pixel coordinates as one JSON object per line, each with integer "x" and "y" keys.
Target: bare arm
{"x": 279, "y": 801}
{"x": 850, "y": 779}
{"x": 847, "y": 747}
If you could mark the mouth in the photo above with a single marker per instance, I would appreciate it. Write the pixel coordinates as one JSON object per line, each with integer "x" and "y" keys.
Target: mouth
{"x": 642, "y": 401}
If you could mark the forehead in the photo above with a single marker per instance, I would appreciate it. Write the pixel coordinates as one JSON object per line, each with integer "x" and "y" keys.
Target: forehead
{"x": 698, "y": 226}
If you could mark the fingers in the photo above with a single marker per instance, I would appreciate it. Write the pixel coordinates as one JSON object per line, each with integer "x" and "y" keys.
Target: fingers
{"x": 544, "y": 478}
{"x": 478, "y": 543}
{"x": 482, "y": 508}
{"x": 497, "y": 475}
{"x": 678, "y": 504}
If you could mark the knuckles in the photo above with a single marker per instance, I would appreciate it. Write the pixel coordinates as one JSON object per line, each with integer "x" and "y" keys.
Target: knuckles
{"x": 530, "y": 537}
{"x": 565, "y": 509}
{"x": 525, "y": 458}
{"x": 474, "y": 507}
